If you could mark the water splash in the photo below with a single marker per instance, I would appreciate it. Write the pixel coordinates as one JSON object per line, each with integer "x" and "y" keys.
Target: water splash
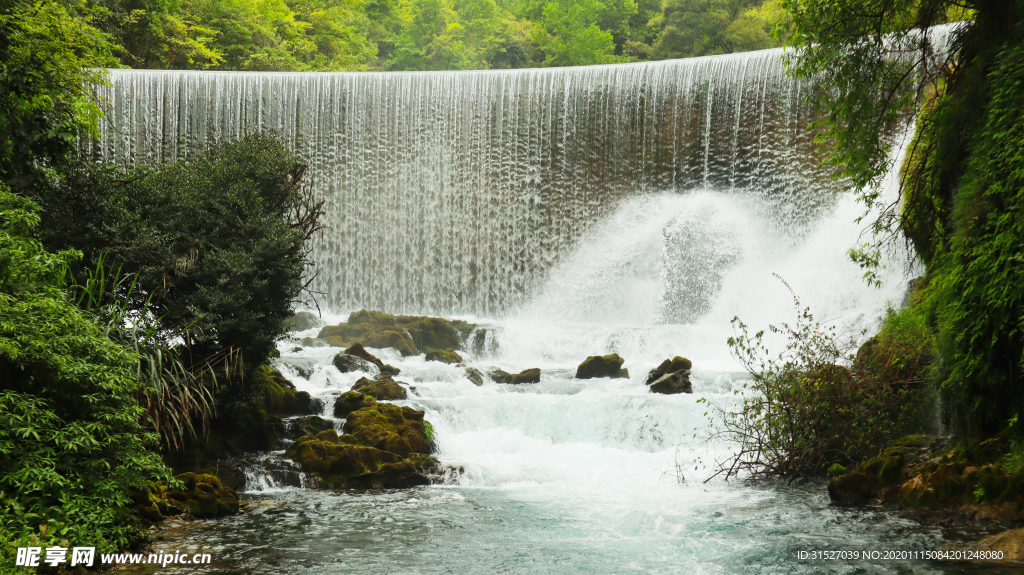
{"x": 457, "y": 192}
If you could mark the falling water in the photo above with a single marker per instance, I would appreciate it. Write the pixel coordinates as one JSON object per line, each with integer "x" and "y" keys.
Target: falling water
{"x": 457, "y": 192}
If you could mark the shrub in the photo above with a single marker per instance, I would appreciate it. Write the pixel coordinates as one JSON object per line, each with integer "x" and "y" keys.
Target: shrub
{"x": 805, "y": 411}
{"x": 72, "y": 452}
{"x": 217, "y": 244}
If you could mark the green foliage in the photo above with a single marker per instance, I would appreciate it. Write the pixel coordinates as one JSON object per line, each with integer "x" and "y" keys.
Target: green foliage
{"x": 72, "y": 452}
{"x": 217, "y": 244}
{"x": 804, "y": 412}
{"x": 569, "y": 34}
{"x": 48, "y": 55}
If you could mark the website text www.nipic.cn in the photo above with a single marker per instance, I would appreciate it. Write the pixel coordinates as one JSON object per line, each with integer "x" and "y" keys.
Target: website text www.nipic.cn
{"x": 86, "y": 557}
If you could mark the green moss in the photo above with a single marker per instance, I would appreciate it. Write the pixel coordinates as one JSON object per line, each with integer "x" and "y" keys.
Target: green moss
{"x": 600, "y": 366}
{"x": 448, "y": 356}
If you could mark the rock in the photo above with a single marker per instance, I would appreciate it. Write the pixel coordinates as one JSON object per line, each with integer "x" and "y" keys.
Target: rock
{"x": 351, "y": 401}
{"x": 347, "y": 363}
{"x": 600, "y": 366}
{"x": 408, "y": 334}
{"x": 282, "y": 399}
{"x": 383, "y": 446}
{"x": 668, "y": 366}
{"x": 203, "y": 496}
{"x": 275, "y": 353}
{"x": 314, "y": 342}
{"x": 531, "y": 375}
{"x": 301, "y": 321}
{"x": 1009, "y": 543}
{"x": 358, "y": 351}
{"x": 474, "y": 375}
{"x": 390, "y": 428}
{"x": 340, "y": 464}
{"x": 380, "y": 388}
{"x": 308, "y": 425}
{"x": 678, "y": 382}
{"x": 445, "y": 356}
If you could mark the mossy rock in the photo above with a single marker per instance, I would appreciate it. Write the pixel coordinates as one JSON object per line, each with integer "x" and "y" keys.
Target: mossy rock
{"x": 340, "y": 463}
{"x": 870, "y": 481}
{"x": 346, "y": 363}
{"x": 308, "y": 425}
{"x": 351, "y": 401}
{"x": 448, "y": 356}
{"x": 281, "y": 397}
{"x": 410, "y": 335}
{"x": 204, "y": 496}
{"x": 381, "y": 388}
{"x": 359, "y": 351}
{"x": 674, "y": 365}
{"x": 531, "y": 375}
{"x": 600, "y": 366}
{"x": 672, "y": 383}
{"x": 390, "y": 428}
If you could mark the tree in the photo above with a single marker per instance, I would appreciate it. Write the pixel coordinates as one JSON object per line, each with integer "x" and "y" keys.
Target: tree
{"x": 697, "y": 27}
{"x": 49, "y": 54}
{"x": 570, "y": 35}
{"x": 217, "y": 243}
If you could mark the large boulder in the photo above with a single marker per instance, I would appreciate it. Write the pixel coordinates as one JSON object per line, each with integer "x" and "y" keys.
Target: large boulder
{"x": 301, "y": 321}
{"x": 386, "y": 426}
{"x": 601, "y": 366}
{"x": 531, "y": 375}
{"x": 359, "y": 351}
{"x": 344, "y": 463}
{"x": 445, "y": 356}
{"x": 380, "y": 388}
{"x": 410, "y": 335}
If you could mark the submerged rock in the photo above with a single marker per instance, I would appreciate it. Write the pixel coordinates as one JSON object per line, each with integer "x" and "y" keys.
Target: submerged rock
{"x": 445, "y": 356}
{"x": 531, "y": 375}
{"x": 381, "y": 387}
{"x": 301, "y": 321}
{"x": 601, "y": 366}
{"x": 360, "y": 352}
{"x": 474, "y": 375}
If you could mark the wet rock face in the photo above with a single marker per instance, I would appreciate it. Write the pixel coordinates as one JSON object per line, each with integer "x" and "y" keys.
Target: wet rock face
{"x": 671, "y": 377}
{"x": 383, "y": 445}
{"x": 531, "y": 375}
{"x": 601, "y": 366}
{"x": 203, "y": 496}
{"x": 410, "y": 335}
{"x": 445, "y": 356}
{"x": 381, "y": 387}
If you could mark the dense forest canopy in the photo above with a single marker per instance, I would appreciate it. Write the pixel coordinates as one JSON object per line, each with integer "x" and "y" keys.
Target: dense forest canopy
{"x": 338, "y": 35}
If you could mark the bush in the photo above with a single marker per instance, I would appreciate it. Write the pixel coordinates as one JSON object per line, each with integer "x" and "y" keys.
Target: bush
{"x": 217, "y": 244}
{"x": 805, "y": 411}
{"x": 72, "y": 452}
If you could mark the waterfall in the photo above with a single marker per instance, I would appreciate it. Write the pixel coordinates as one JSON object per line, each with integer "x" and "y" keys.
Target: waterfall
{"x": 460, "y": 192}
